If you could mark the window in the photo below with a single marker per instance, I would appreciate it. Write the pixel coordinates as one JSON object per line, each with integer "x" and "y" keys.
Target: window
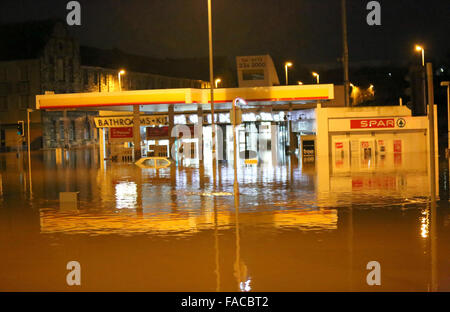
{"x": 60, "y": 69}
{"x": 23, "y": 72}
{"x": 23, "y": 87}
{"x": 3, "y": 88}
{"x": 3, "y": 74}
{"x": 85, "y": 77}
{"x": 3, "y": 103}
{"x": 23, "y": 101}
{"x": 253, "y": 74}
{"x": 71, "y": 78}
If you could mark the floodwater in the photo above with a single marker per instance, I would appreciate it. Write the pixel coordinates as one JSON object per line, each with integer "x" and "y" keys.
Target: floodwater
{"x": 294, "y": 226}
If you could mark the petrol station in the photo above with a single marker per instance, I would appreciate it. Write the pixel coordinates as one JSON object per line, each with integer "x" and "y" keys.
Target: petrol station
{"x": 278, "y": 120}
{"x": 277, "y": 115}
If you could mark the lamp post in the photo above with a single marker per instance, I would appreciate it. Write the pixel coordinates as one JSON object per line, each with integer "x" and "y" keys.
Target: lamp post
{"x": 217, "y": 81}
{"x": 236, "y": 101}
{"x": 300, "y": 83}
{"x": 420, "y": 48}
{"x": 211, "y": 83}
{"x": 447, "y": 84}
{"x": 286, "y": 65}
{"x": 121, "y": 72}
{"x": 317, "y": 77}
{"x": 345, "y": 52}
{"x": 29, "y": 110}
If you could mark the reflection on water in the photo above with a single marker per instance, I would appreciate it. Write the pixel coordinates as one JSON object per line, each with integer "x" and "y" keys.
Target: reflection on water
{"x": 293, "y": 227}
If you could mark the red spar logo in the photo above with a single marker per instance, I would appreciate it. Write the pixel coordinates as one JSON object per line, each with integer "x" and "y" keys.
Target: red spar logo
{"x": 372, "y": 123}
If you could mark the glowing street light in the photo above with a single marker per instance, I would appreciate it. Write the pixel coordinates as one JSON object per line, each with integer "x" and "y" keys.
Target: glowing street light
{"x": 217, "y": 81}
{"x": 236, "y": 101}
{"x": 286, "y": 65}
{"x": 420, "y": 48}
{"x": 300, "y": 83}
{"x": 317, "y": 76}
{"x": 121, "y": 72}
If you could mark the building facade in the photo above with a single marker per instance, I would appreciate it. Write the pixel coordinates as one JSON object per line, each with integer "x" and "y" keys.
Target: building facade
{"x": 40, "y": 57}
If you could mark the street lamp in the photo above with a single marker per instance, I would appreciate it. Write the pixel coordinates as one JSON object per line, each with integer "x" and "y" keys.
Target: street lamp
{"x": 236, "y": 101}
{"x": 121, "y": 72}
{"x": 447, "y": 84}
{"x": 420, "y": 48}
{"x": 286, "y": 65}
{"x": 29, "y": 110}
{"x": 317, "y": 76}
{"x": 211, "y": 87}
{"x": 217, "y": 81}
{"x": 300, "y": 83}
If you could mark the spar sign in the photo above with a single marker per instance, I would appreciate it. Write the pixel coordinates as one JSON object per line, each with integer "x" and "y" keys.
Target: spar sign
{"x": 377, "y": 123}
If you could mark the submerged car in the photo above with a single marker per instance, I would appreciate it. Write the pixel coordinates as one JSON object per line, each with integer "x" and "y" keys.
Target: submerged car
{"x": 153, "y": 162}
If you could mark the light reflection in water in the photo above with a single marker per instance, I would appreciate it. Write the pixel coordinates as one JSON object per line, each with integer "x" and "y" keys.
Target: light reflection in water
{"x": 425, "y": 224}
{"x": 290, "y": 224}
{"x": 126, "y": 195}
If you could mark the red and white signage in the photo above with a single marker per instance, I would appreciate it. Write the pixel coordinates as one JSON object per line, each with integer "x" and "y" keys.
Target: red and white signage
{"x": 339, "y": 145}
{"x": 372, "y": 123}
{"x": 121, "y": 133}
{"x": 397, "y": 146}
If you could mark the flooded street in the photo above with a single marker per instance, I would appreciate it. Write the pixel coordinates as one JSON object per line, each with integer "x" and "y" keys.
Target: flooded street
{"x": 294, "y": 227}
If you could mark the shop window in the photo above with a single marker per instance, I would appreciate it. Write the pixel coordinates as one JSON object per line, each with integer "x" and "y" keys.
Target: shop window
{"x": 72, "y": 130}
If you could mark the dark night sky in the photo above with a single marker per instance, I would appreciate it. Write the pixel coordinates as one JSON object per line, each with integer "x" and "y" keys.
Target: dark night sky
{"x": 305, "y": 30}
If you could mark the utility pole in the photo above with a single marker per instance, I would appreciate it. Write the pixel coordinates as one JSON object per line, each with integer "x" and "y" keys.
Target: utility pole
{"x": 345, "y": 52}
{"x": 431, "y": 131}
{"x": 29, "y": 110}
{"x": 211, "y": 81}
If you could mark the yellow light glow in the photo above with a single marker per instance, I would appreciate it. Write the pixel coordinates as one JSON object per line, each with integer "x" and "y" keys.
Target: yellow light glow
{"x": 217, "y": 81}
{"x": 122, "y": 72}
{"x": 300, "y": 83}
{"x": 418, "y": 48}
{"x": 288, "y": 64}
{"x": 352, "y": 85}
{"x": 425, "y": 225}
{"x": 315, "y": 74}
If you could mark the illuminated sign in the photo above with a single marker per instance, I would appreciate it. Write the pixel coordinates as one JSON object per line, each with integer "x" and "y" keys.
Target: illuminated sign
{"x": 251, "y": 62}
{"x": 157, "y": 133}
{"x": 372, "y": 123}
{"x": 127, "y": 121}
{"x": 121, "y": 133}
